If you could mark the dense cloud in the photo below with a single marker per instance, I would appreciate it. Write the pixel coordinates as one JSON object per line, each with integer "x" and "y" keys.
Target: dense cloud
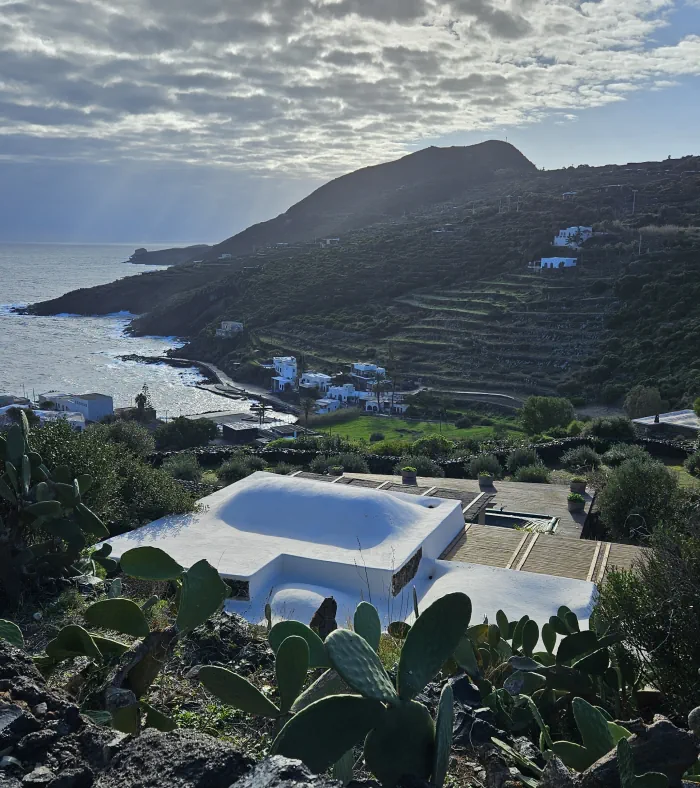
{"x": 310, "y": 87}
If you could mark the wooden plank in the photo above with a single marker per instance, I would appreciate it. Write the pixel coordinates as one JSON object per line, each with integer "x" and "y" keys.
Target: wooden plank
{"x": 455, "y": 543}
{"x": 486, "y": 545}
{"x": 430, "y": 490}
{"x": 384, "y": 485}
{"x": 604, "y": 563}
{"x": 510, "y": 563}
{"x": 591, "y": 571}
{"x": 560, "y": 556}
{"x": 521, "y": 563}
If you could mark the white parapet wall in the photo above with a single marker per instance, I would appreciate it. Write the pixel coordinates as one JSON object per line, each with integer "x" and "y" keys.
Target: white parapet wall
{"x": 293, "y": 542}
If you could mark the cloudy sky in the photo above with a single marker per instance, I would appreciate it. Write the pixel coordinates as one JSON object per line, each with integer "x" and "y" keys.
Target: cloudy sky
{"x": 186, "y": 120}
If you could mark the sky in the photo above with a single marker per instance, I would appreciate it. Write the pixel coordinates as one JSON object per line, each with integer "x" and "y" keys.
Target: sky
{"x": 187, "y": 120}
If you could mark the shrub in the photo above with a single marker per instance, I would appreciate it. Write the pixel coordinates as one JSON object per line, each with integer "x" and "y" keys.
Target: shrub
{"x": 574, "y": 429}
{"x": 579, "y": 480}
{"x": 392, "y": 448}
{"x": 696, "y": 407}
{"x": 535, "y": 474}
{"x": 557, "y": 432}
{"x": 464, "y": 422}
{"x": 408, "y": 469}
{"x": 349, "y": 462}
{"x": 182, "y": 433}
{"x": 284, "y": 468}
{"x": 692, "y": 464}
{"x": 238, "y": 467}
{"x": 575, "y": 498}
{"x": 610, "y": 428}
{"x": 424, "y": 465}
{"x": 126, "y": 491}
{"x": 486, "y": 421}
{"x": 643, "y": 401}
{"x": 183, "y": 466}
{"x": 539, "y": 414}
{"x": 619, "y": 452}
{"x": 581, "y": 457}
{"x": 638, "y": 497}
{"x": 487, "y": 463}
{"x": 656, "y": 610}
{"x": 433, "y": 446}
{"x": 137, "y": 439}
{"x": 376, "y": 436}
{"x": 521, "y": 457}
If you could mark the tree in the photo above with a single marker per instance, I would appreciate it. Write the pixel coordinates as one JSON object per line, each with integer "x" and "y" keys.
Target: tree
{"x": 696, "y": 407}
{"x": 261, "y": 412}
{"x": 639, "y": 497}
{"x": 643, "y": 401}
{"x": 540, "y": 413}
{"x": 655, "y": 608}
{"x": 307, "y": 407}
{"x": 134, "y": 436}
{"x": 143, "y": 402}
{"x": 183, "y": 433}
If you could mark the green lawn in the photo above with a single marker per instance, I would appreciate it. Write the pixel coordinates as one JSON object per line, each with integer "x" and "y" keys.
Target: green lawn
{"x": 684, "y": 478}
{"x": 361, "y": 427}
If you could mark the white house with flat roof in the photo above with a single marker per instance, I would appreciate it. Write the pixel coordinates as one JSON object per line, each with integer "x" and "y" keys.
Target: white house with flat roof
{"x": 286, "y": 377}
{"x": 315, "y": 380}
{"x": 93, "y": 406}
{"x": 558, "y": 262}
{"x": 326, "y": 406}
{"x": 293, "y": 542}
{"x": 573, "y": 237}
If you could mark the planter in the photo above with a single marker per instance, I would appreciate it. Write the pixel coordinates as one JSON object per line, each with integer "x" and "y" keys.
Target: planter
{"x": 409, "y": 478}
{"x": 336, "y": 470}
{"x": 576, "y": 506}
{"x": 578, "y": 487}
{"x": 485, "y": 481}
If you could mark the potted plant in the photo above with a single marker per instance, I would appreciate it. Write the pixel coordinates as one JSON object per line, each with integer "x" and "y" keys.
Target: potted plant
{"x": 578, "y": 485}
{"x": 408, "y": 475}
{"x": 485, "y": 479}
{"x": 576, "y": 502}
{"x": 335, "y": 470}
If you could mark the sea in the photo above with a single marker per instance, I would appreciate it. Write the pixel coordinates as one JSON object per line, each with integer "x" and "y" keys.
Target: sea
{"x": 77, "y": 355}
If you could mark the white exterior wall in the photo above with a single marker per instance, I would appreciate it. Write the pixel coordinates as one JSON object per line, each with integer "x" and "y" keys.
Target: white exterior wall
{"x": 556, "y": 262}
{"x": 326, "y": 405}
{"x": 92, "y": 409}
{"x": 571, "y": 235}
{"x": 286, "y": 366}
{"x": 315, "y": 380}
{"x": 368, "y": 370}
{"x": 342, "y": 393}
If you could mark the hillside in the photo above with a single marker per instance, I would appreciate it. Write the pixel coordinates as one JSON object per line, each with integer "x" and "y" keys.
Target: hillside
{"x": 385, "y": 191}
{"x": 446, "y": 291}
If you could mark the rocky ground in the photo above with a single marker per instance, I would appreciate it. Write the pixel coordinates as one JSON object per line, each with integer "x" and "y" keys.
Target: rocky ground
{"x": 46, "y": 741}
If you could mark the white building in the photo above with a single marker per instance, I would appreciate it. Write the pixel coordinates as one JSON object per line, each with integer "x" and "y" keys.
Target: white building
{"x": 330, "y": 242}
{"x": 573, "y": 237}
{"x": 315, "y": 380}
{"x": 229, "y": 328}
{"x": 558, "y": 262}
{"x": 11, "y": 399}
{"x": 344, "y": 393}
{"x": 94, "y": 407}
{"x": 293, "y": 542}
{"x": 326, "y": 406}
{"x": 286, "y": 378}
{"x": 76, "y": 420}
{"x": 367, "y": 371}
{"x": 385, "y": 405}
{"x": 225, "y": 256}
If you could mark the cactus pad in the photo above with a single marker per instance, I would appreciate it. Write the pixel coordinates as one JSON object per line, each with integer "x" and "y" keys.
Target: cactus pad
{"x": 358, "y": 664}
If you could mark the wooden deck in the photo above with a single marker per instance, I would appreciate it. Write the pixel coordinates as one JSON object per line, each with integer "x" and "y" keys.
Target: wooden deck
{"x": 562, "y": 553}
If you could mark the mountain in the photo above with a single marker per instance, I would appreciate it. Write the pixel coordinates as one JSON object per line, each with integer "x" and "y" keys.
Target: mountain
{"x": 446, "y": 289}
{"x": 382, "y": 192}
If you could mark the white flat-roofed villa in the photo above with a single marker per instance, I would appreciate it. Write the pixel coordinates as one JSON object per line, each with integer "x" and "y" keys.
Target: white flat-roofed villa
{"x": 294, "y": 541}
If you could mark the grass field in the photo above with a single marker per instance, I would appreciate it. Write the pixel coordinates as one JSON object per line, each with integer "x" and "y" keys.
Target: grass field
{"x": 362, "y": 426}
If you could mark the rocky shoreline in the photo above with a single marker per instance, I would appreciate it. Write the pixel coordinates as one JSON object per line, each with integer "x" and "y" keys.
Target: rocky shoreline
{"x": 205, "y": 371}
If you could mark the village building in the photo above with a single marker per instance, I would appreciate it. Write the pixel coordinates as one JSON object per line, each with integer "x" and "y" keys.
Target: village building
{"x": 323, "y": 406}
{"x": 326, "y": 242}
{"x": 286, "y": 377}
{"x": 680, "y": 423}
{"x": 558, "y": 262}
{"x": 315, "y": 380}
{"x": 94, "y": 407}
{"x": 229, "y": 328}
{"x": 365, "y": 376}
{"x": 573, "y": 237}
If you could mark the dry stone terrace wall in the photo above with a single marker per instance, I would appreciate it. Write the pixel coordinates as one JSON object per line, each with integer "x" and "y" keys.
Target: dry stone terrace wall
{"x": 550, "y": 452}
